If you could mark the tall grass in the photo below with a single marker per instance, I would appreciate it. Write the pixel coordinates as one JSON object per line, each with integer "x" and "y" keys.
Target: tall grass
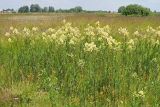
{"x": 72, "y": 66}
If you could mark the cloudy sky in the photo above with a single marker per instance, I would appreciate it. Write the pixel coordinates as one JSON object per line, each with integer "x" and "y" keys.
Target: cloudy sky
{"x": 86, "y": 4}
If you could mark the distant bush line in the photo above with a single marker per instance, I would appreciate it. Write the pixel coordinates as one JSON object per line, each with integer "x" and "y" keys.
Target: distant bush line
{"x": 37, "y": 8}
{"x": 132, "y": 9}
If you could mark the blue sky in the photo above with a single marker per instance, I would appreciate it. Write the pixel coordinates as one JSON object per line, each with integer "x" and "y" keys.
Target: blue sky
{"x": 86, "y": 4}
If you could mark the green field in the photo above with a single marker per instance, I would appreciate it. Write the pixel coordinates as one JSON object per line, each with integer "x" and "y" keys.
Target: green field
{"x": 51, "y": 20}
{"x": 79, "y": 60}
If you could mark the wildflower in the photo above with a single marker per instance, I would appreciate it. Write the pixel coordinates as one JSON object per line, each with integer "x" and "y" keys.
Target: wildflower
{"x": 121, "y": 102}
{"x": 158, "y": 33}
{"x": 123, "y": 31}
{"x": 131, "y": 42}
{"x": 112, "y": 42}
{"x": 90, "y": 31}
{"x": 53, "y": 36}
{"x": 157, "y": 42}
{"x": 26, "y": 29}
{"x": 107, "y": 28}
{"x": 108, "y": 100}
{"x": 154, "y": 42}
{"x": 158, "y": 28}
{"x": 154, "y": 60}
{"x": 7, "y": 34}
{"x": 81, "y": 63}
{"x": 130, "y": 47}
{"x": 11, "y": 28}
{"x": 150, "y": 30}
{"x": 105, "y": 35}
{"x": 90, "y": 47}
{"x": 44, "y": 38}
{"x": 15, "y": 31}
{"x": 134, "y": 75}
{"x": 68, "y": 25}
{"x": 60, "y": 41}
{"x": 71, "y": 42}
{"x": 70, "y": 55}
{"x": 97, "y": 23}
{"x": 50, "y": 30}
{"x": 34, "y": 29}
{"x": 9, "y": 40}
{"x": 136, "y": 33}
{"x": 44, "y": 34}
{"x": 139, "y": 94}
{"x": 74, "y": 40}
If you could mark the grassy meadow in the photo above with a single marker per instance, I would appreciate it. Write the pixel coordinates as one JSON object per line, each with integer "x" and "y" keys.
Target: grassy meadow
{"x": 79, "y": 60}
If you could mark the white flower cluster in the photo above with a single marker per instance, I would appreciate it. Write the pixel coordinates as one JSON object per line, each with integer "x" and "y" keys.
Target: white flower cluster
{"x": 136, "y": 33}
{"x": 131, "y": 44}
{"x": 81, "y": 63}
{"x": 14, "y": 30}
{"x": 139, "y": 94}
{"x": 26, "y": 31}
{"x": 150, "y": 30}
{"x": 90, "y": 47}
{"x": 94, "y": 37}
{"x": 63, "y": 35}
{"x": 35, "y": 29}
{"x": 123, "y": 31}
{"x": 101, "y": 34}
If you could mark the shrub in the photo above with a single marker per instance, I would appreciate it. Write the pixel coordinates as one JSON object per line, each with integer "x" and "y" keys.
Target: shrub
{"x": 35, "y": 8}
{"x": 45, "y": 9}
{"x": 121, "y": 9}
{"x": 76, "y": 9}
{"x": 23, "y": 9}
{"x": 134, "y": 9}
{"x": 51, "y": 9}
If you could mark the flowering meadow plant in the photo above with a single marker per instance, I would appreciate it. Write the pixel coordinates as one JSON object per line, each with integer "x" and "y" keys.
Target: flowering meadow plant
{"x": 89, "y": 66}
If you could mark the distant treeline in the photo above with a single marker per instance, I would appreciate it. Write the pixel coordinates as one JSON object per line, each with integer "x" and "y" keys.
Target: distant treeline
{"x": 132, "y": 9}
{"x": 37, "y": 8}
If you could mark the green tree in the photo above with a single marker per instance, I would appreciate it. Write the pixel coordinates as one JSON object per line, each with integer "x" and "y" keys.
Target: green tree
{"x": 121, "y": 9}
{"x": 45, "y": 9}
{"x": 23, "y": 9}
{"x": 76, "y": 9}
{"x": 35, "y": 8}
{"x": 51, "y": 9}
{"x": 135, "y": 9}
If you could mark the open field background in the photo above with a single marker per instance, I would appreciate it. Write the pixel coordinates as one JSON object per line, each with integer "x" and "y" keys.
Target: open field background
{"x": 52, "y": 20}
{"x": 46, "y": 61}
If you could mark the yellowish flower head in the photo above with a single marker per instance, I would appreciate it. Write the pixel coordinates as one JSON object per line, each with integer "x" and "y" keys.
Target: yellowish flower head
{"x": 123, "y": 31}
{"x": 35, "y": 29}
{"x": 11, "y": 28}
{"x": 7, "y": 34}
{"x": 9, "y": 40}
{"x": 90, "y": 47}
